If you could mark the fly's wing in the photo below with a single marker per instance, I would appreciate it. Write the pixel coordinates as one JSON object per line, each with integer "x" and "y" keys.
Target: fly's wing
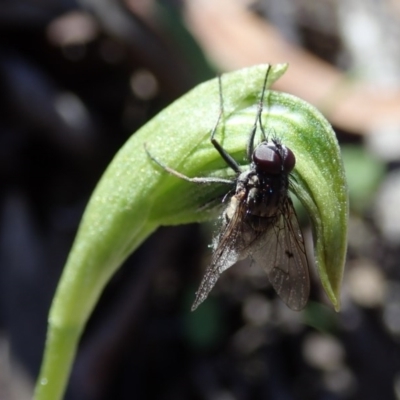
{"x": 228, "y": 249}
{"x": 281, "y": 253}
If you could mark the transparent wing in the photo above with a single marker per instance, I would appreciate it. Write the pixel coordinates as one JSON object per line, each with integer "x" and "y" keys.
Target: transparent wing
{"x": 281, "y": 253}
{"x": 228, "y": 249}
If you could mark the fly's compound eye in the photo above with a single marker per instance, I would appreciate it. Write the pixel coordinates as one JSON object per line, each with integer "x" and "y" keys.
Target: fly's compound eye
{"x": 289, "y": 160}
{"x": 271, "y": 159}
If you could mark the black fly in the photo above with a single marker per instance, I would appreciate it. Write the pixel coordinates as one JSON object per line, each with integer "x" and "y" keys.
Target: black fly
{"x": 259, "y": 221}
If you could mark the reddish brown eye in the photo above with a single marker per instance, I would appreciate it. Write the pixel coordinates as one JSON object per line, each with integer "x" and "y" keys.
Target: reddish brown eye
{"x": 271, "y": 159}
{"x": 289, "y": 160}
{"x": 267, "y": 159}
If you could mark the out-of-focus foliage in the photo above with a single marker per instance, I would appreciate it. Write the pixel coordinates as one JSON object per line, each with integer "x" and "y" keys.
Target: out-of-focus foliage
{"x": 364, "y": 173}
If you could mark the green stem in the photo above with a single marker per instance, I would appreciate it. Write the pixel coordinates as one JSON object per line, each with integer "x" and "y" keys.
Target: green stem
{"x": 61, "y": 348}
{"x": 77, "y": 294}
{"x": 135, "y": 196}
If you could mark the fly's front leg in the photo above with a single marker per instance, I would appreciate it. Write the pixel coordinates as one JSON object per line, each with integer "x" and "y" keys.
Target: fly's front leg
{"x": 184, "y": 177}
{"x": 250, "y": 144}
{"x": 223, "y": 153}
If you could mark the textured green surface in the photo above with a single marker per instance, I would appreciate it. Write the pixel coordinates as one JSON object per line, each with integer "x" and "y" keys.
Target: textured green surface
{"x": 135, "y": 196}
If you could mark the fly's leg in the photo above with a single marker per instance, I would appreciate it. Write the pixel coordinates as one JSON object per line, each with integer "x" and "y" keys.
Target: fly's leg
{"x": 223, "y": 153}
{"x": 250, "y": 144}
{"x": 231, "y": 162}
{"x": 187, "y": 178}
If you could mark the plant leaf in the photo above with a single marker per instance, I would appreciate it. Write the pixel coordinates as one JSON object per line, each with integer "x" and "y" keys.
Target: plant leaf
{"x": 135, "y": 195}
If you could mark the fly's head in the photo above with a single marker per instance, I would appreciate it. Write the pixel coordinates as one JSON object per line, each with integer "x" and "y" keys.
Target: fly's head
{"x": 266, "y": 182}
{"x": 273, "y": 158}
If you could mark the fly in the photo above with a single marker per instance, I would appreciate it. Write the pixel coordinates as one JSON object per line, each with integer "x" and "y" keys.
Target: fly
{"x": 259, "y": 220}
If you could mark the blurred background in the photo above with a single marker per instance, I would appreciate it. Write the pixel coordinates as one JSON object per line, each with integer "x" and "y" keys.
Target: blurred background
{"x": 77, "y": 78}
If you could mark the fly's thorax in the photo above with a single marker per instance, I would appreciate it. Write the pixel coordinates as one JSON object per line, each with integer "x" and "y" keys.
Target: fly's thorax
{"x": 264, "y": 193}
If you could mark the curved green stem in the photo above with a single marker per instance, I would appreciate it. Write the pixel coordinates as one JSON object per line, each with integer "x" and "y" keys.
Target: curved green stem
{"x": 135, "y": 196}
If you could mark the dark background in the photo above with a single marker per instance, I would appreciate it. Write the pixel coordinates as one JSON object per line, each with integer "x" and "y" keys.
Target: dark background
{"x": 75, "y": 82}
